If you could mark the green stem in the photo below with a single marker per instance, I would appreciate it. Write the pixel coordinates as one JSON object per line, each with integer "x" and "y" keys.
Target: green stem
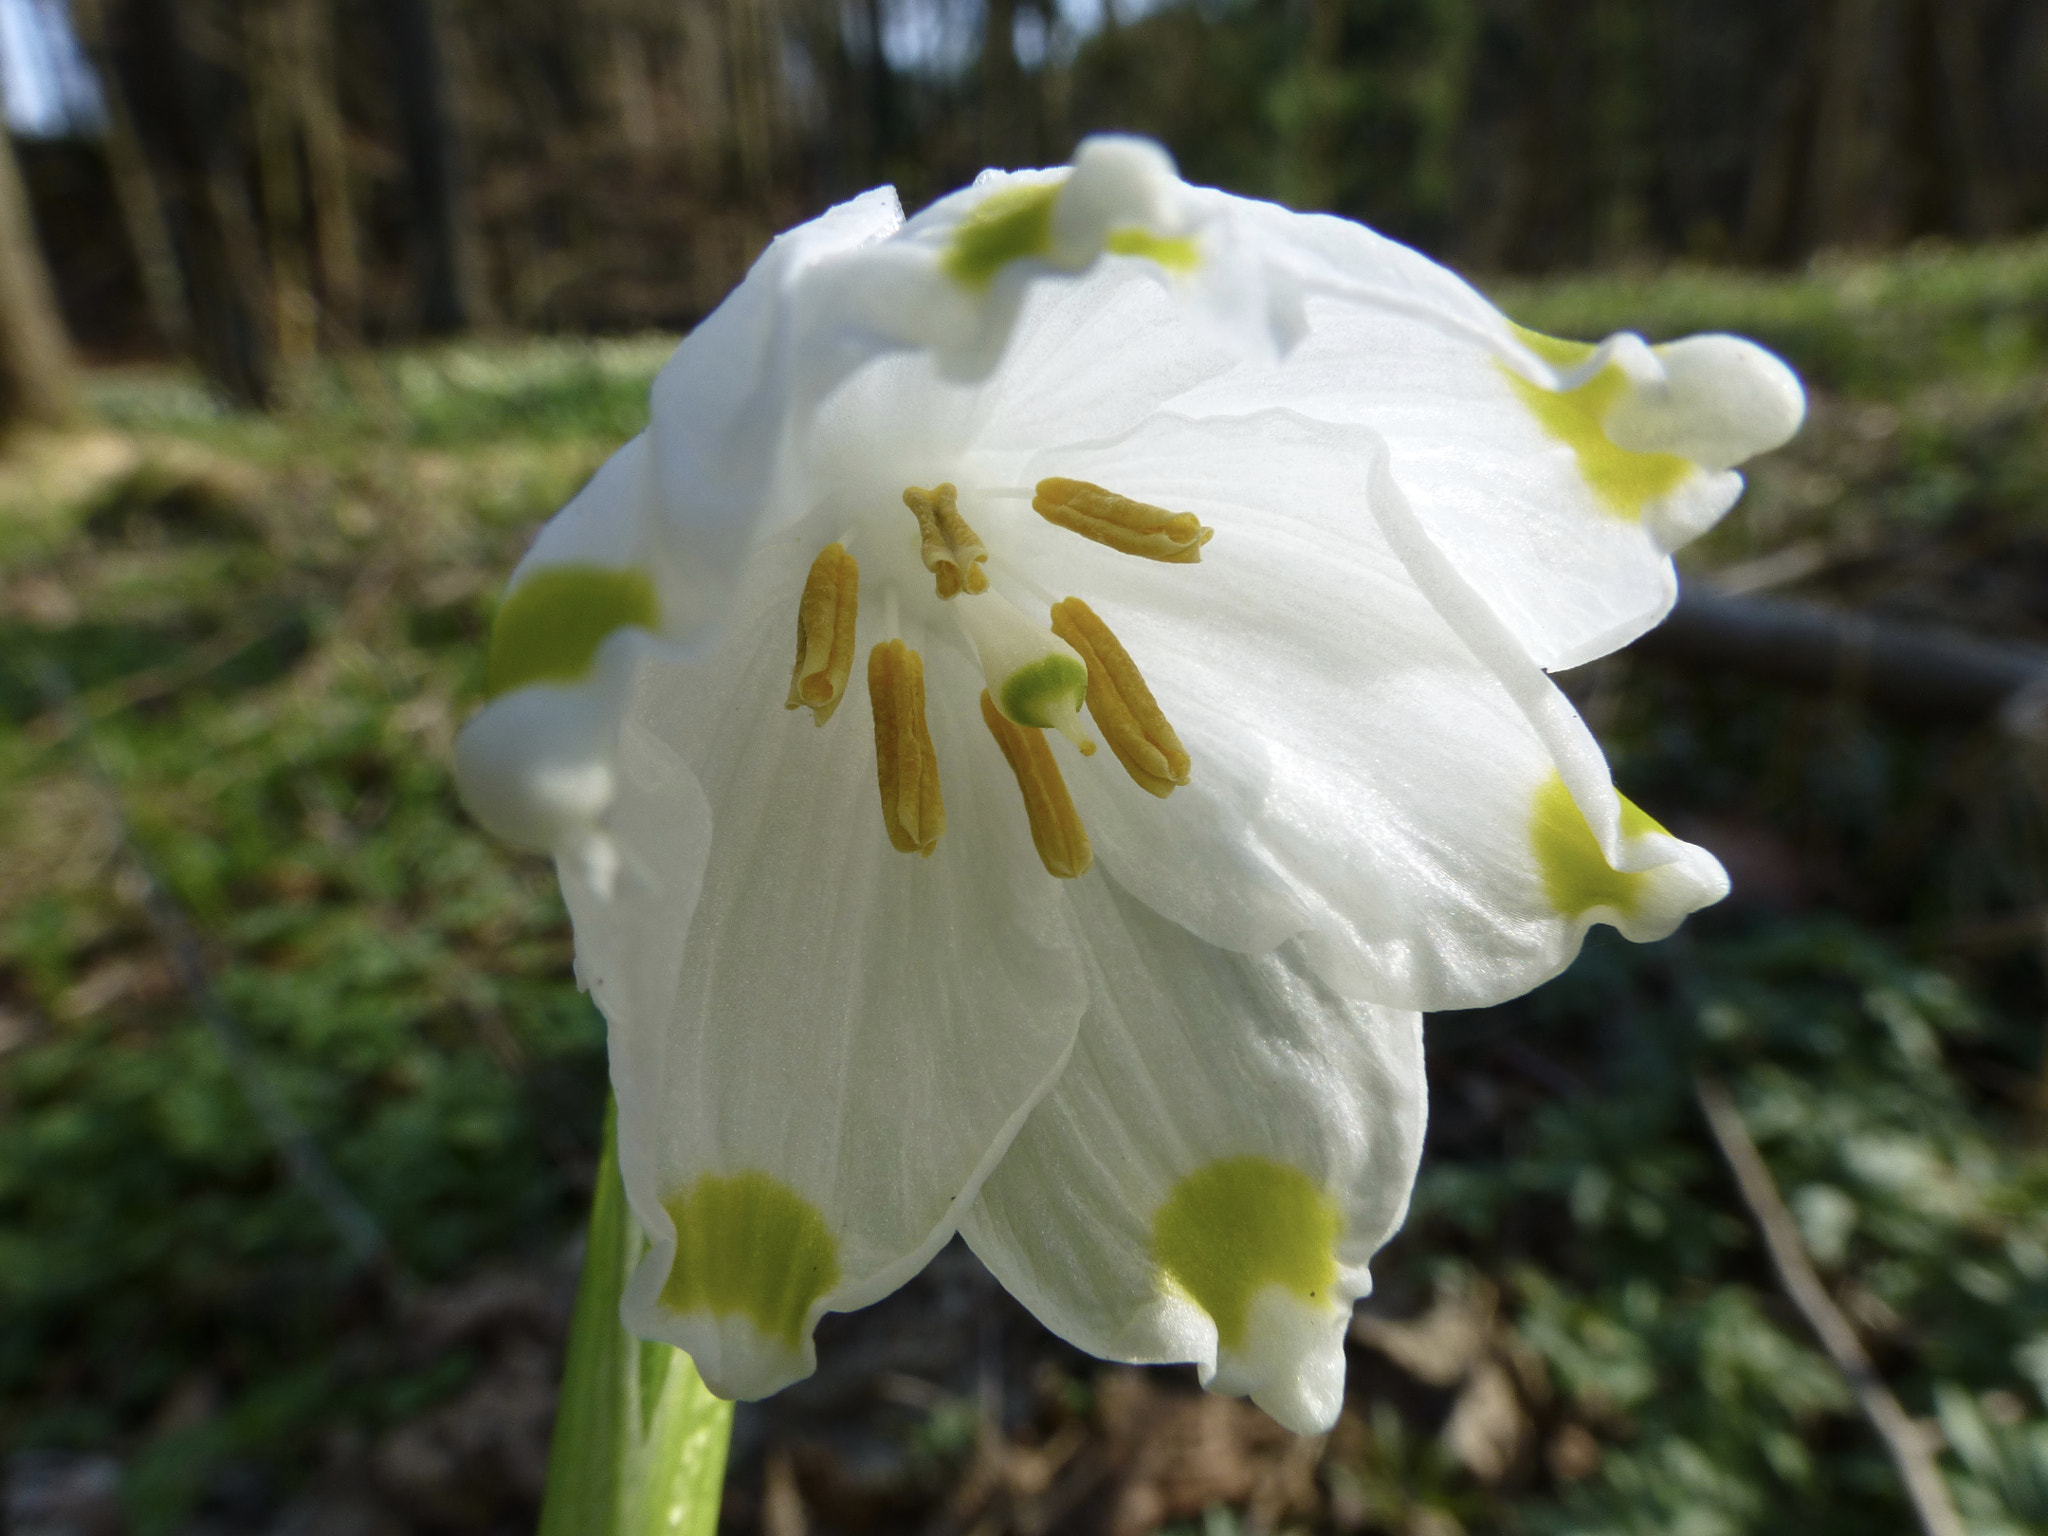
{"x": 639, "y": 1447}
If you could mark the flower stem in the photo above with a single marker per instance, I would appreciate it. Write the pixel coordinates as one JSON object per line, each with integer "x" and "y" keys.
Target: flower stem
{"x": 640, "y": 1443}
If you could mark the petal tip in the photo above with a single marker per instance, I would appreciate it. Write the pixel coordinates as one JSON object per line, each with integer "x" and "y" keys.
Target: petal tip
{"x": 1290, "y": 1361}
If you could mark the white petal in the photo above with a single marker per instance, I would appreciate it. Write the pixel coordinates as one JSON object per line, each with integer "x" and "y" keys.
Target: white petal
{"x": 956, "y": 277}
{"x": 1228, "y": 1148}
{"x": 1717, "y": 400}
{"x": 536, "y": 766}
{"x": 1563, "y": 525}
{"x": 823, "y": 1049}
{"x": 723, "y": 407}
{"x": 1373, "y": 754}
{"x": 747, "y": 413}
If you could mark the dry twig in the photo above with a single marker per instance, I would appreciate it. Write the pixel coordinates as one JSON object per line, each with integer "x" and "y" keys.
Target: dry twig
{"x": 1913, "y": 670}
{"x": 1903, "y": 1440}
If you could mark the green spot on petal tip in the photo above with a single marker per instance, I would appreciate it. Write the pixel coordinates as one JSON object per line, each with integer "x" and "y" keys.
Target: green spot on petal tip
{"x": 1046, "y": 693}
{"x": 748, "y": 1245}
{"x": 552, "y": 623}
{"x": 1624, "y": 481}
{"x": 1235, "y": 1226}
{"x": 1005, "y": 226}
{"x": 1576, "y": 874}
{"x": 1176, "y": 254}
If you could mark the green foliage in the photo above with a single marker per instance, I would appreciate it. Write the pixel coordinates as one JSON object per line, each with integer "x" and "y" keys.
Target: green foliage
{"x": 1641, "y": 1285}
{"x": 273, "y": 697}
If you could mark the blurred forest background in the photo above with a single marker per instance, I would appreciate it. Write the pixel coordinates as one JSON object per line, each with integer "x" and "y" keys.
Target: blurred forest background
{"x": 311, "y": 310}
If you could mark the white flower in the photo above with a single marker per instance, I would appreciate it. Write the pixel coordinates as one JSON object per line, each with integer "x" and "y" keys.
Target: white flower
{"x": 1287, "y": 516}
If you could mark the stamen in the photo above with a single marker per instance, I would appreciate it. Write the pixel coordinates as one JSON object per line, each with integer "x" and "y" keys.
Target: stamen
{"x": 824, "y": 633}
{"x": 1130, "y": 718}
{"x": 1132, "y": 527}
{"x": 1056, "y": 829}
{"x": 952, "y": 550}
{"x": 904, "y": 761}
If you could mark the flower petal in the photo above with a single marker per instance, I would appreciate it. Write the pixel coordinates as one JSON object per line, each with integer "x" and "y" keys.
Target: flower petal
{"x": 538, "y": 765}
{"x": 1228, "y": 1148}
{"x": 724, "y": 406}
{"x": 955, "y": 278}
{"x": 1558, "y": 475}
{"x": 732, "y": 446}
{"x": 820, "y": 1045}
{"x": 1372, "y": 754}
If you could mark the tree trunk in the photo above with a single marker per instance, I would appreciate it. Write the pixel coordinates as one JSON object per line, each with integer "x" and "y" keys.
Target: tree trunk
{"x": 276, "y": 76}
{"x": 1839, "y": 186}
{"x": 1967, "y": 88}
{"x": 1001, "y": 84}
{"x": 135, "y": 189}
{"x": 38, "y": 381}
{"x": 443, "y": 259}
{"x": 185, "y": 106}
{"x": 327, "y": 178}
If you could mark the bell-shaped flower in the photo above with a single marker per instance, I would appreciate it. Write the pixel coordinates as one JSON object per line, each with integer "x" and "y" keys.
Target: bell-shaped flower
{"x": 1285, "y": 517}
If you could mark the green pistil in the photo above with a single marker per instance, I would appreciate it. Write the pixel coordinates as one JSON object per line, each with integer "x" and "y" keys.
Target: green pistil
{"x": 1045, "y": 693}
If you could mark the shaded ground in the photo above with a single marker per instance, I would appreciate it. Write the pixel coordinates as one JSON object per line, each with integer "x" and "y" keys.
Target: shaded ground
{"x": 272, "y": 629}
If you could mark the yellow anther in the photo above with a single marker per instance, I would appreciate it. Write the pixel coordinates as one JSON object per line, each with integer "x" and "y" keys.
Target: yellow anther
{"x": 952, "y": 551}
{"x": 904, "y": 760}
{"x": 1132, "y": 527}
{"x": 824, "y": 633}
{"x": 1056, "y": 829}
{"x": 1138, "y": 733}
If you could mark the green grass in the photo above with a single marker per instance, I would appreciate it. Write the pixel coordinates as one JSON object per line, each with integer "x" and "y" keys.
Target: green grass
{"x": 274, "y": 628}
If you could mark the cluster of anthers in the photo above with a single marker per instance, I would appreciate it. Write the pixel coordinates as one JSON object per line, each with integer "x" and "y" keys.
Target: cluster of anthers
{"x": 1039, "y": 677}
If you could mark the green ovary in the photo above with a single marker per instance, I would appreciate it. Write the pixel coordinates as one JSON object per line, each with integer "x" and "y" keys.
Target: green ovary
{"x": 749, "y": 1245}
{"x": 1239, "y": 1224}
{"x": 1004, "y": 226}
{"x": 1044, "y": 693}
{"x": 1576, "y": 874}
{"x": 551, "y": 625}
{"x": 1624, "y": 481}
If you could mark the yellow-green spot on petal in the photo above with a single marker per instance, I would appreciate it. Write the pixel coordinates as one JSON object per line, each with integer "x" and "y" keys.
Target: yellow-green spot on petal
{"x": 1239, "y": 1224}
{"x": 1624, "y": 481}
{"x": 1176, "y": 253}
{"x": 1637, "y": 822}
{"x": 1004, "y": 226}
{"x": 1576, "y": 874}
{"x": 1046, "y": 692}
{"x": 550, "y": 627}
{"x": 1554, "y": 350}
{"x": 748, "y": 1244}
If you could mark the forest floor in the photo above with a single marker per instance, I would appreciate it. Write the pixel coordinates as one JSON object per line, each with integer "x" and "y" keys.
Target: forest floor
{"x": 233, "y": 655}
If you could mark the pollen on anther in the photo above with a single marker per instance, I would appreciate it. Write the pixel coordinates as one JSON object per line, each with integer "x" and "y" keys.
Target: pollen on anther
{"x": 824, "y": 633}
{"x": 1130, "y": 527}
{"x": 950, "y": 548}
{"x": 1056, "y": 830}
{"x": 1137, "y": 730}
{"x": 905, "y": 765}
